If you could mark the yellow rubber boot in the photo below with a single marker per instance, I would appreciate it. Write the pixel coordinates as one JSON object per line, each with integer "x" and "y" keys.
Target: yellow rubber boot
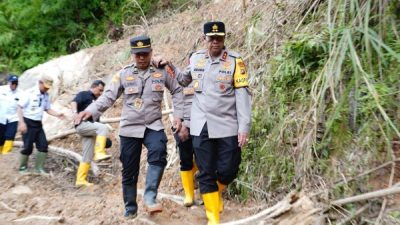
{"x": 221, "y": 188}
{"x": 211, "y": 204}
{"x": 82, "y": 174}
{"x": 99, "y": 149}
{"x": 188, "y": 187}
{"x": 8, "y": 145}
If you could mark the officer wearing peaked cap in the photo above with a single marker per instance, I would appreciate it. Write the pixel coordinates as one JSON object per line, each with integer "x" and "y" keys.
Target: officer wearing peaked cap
{"x": 142, "y": 86}
{"x": 220, "y": 116}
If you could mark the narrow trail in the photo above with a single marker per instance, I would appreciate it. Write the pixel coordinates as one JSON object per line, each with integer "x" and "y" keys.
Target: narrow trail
{"x": 31, "y": 199}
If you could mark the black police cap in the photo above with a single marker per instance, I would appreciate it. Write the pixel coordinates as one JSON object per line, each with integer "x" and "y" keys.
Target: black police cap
{"x": 214, "y": 28}
{"x": 140, "y": 44}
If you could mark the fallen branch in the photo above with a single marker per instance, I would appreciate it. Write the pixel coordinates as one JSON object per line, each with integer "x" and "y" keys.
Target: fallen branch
{"x": 66, "y": 153}
{"x": 367, "y": 172}
{"x": 352, "y": 216}
{"x": 48, "y": 218}
{"x": 8, "y": 207}
{"x": 369, "y": 195}
{"x": 61, "y": 135}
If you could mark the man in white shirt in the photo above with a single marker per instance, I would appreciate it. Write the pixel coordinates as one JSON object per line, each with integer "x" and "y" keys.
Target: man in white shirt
{"x": 30, "y": 112}
{"x": 12, "y": 97}
{"x": 3, "y": 120}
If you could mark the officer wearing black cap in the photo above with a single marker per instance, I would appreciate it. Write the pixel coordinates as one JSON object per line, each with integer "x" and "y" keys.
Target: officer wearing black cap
{"x": 142, "y": 86}
{"x": 13, "y": 95}
{"x": 220, "y": 115}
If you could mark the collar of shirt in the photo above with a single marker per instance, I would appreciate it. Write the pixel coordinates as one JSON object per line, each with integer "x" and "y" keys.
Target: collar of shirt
{"x": 222, "y": 57}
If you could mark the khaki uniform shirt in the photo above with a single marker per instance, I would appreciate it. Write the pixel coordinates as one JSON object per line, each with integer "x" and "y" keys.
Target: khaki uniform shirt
{"x": 221, "y": 95}
{"x": 143, "y": 93}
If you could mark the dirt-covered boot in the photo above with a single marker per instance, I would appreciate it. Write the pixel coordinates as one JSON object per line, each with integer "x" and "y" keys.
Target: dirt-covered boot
{"x": 39, "y": 165}
{"x": 23, "y": 164}
{"x": 153, "y": 178}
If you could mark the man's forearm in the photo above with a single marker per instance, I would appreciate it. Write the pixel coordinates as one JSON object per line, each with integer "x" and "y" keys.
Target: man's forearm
{"x": 53, "y": 113}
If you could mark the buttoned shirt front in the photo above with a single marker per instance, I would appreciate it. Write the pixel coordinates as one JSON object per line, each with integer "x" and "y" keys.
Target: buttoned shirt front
{"x": 34, "y": 104}
{"x": 221, "y": 95}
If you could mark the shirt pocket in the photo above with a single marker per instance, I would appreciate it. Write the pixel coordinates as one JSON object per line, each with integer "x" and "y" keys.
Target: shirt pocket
{"x": 197, "y": 82}
{"x": 157, "y": 90}
{"x": 223, "y": 83}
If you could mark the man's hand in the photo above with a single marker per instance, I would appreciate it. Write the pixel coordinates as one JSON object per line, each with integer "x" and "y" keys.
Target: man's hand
{"x": 243, "y": 138}
{"x": 177, "y": 124}
{"x": 22, "y": 127}
{"x": 84, "y": 115}
{"x": 159, "y": 62}
{"x": 183, "y": 133}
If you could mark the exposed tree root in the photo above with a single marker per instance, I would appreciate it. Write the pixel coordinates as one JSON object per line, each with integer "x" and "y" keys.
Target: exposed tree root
{"x": 48, "y": 218}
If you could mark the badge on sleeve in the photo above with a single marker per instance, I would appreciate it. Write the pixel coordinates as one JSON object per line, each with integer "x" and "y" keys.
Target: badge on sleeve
{"x": 241, "y": 79}
{"x": 115, "y": 78}
{"x": 170, "y": 71}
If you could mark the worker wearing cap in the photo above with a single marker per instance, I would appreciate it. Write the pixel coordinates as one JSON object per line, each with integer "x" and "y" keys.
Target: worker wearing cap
{"x": 142, "y": 86}
{"x": 94, "y": 134}
{"x": 30, "y": 113}
{"x": 12, "y": 96}
{"x": 220, "y": 116}
{"x": 3, "y": 119}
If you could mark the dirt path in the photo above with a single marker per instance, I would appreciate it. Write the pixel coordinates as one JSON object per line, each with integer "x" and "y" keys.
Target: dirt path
{"x": 56, "y": 196}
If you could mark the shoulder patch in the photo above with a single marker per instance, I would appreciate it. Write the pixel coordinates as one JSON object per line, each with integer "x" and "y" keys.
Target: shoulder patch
{"x": 240, "y": 77}
{"x": 116, "y": 78}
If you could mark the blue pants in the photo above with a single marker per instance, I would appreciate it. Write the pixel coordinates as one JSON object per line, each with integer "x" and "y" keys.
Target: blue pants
{"x": 131, "y": 149}
{"x": 2, "y": 131}
{"x": 11, "y": 130}
{"x": 185, "y": 153}
{"x": 34, "y": 134}
{"x": 218, "y": 159}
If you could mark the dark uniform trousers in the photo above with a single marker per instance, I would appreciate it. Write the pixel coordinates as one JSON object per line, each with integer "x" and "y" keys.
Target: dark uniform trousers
{"x": 2, "y": 132}
{"x": 131, "y": 149}
{"x": 218, "y": 159}
{"x": 11, "y": 130}
{"x": 34, "y": 134}
{"x": 185, "y": 153}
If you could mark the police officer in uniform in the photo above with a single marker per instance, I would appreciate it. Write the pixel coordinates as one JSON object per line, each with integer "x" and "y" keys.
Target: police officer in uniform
{"x": 12, "y": 96}
{"x": 221, "y": 115}
{"x": 142, "y": 86}
{"x": 30, "y": 113}
{"x": 94, "y": 134}
{"x": 184, "y": 142}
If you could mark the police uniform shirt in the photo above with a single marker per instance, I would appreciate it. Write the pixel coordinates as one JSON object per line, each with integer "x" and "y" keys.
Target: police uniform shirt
{"x": 142, "y": 96}
{"x": 12, "y": 98}
{"x": 188, "y": 93}
{"x": 34, "y": 103}
{"x": 83, "y": 99}
{"x": 221, "y": 95}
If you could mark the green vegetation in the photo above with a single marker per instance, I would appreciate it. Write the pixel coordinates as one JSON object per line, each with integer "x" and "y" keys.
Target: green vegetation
{"x": 32, "y": 32}
{"x": 331, "y": 100}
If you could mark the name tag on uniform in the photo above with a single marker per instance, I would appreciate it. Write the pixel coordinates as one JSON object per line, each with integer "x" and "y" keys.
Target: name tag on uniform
{"x": 188, "y": 91}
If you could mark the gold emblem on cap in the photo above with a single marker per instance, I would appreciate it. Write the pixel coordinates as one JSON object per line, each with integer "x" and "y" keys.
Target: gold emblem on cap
{"x": 215, "y": 28}
{"x": 140, "y": 44}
